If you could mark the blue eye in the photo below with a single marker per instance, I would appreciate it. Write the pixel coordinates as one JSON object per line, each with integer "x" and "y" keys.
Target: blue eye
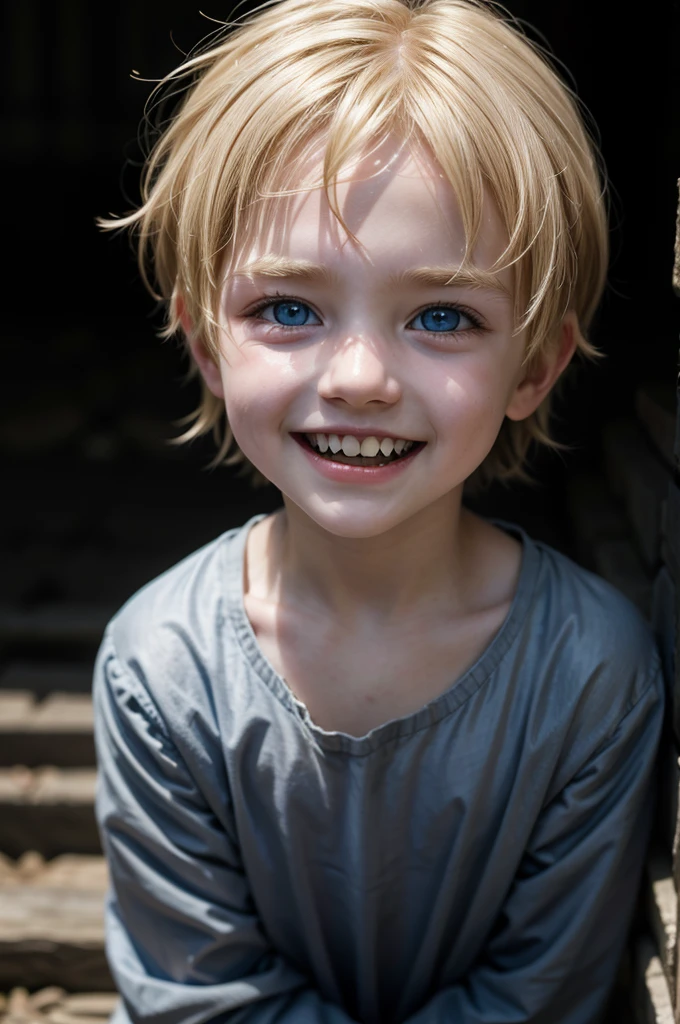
{"x": 438, "y": 318}
{"x": 290, "y": 313}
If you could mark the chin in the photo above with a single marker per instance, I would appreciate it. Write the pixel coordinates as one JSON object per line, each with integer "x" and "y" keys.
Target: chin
{"x": 347, "y": 521}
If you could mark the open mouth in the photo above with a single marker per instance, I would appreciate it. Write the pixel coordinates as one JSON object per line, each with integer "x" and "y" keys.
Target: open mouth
{"x": 360, "y": 460}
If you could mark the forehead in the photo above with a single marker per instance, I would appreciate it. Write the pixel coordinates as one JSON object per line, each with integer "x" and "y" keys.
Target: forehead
{"x": 394, "y": 199}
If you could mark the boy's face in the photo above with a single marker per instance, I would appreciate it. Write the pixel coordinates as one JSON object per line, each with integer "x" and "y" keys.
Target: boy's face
{"x": 354, "y": 338}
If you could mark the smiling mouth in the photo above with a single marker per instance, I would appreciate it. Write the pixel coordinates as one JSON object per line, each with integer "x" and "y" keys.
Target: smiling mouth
{"x": 359, "y": 460}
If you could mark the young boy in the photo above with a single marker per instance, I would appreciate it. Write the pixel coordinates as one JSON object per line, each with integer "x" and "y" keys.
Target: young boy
{"x": 374, "y": 758}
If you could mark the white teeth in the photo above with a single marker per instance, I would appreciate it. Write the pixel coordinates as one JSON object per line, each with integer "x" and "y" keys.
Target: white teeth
{"x": 350, "y": 445}
{"x": 370, "y": 446}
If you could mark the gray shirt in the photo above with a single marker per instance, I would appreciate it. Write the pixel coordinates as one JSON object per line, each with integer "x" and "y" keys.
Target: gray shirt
{"x": 475, "y": 862}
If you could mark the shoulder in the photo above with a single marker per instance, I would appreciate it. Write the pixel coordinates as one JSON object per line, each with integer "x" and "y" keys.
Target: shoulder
{"x": 602, "y": 625}
{"x": 165, "y": 643}
{"x": 183, "y": 600}
{"x": 589, "y": 651}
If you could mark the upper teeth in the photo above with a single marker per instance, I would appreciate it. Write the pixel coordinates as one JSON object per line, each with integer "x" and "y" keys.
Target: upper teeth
{"x": 352, "y": 446}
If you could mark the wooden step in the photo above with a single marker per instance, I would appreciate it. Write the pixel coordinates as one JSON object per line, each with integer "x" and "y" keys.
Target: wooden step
{"x": 53, "y": 1005}
{"x": 57, "y": 730}
{"x": 49, "y": 810}
{"x": 661, "y": 905}
{"x": 52, "y": 923}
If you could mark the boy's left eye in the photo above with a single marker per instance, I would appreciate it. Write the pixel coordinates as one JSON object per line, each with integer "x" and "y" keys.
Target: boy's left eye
{"x": 442, "y": 319}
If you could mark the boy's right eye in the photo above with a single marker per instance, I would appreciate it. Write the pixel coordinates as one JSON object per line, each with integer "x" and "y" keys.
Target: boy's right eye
{"x": 286, "y": 313}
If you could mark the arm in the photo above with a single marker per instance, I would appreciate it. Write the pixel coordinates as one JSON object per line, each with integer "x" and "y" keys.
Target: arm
{"x": 183, "y": 939}
{"x": 553, "y": 955}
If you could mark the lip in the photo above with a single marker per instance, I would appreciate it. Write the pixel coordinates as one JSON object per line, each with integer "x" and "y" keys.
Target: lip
{"x": 355, "y": 432}
{"x": 356, "y": 474}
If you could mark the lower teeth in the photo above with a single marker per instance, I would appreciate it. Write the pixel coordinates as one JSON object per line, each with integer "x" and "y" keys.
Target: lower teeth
{"x": 357, "y": 460}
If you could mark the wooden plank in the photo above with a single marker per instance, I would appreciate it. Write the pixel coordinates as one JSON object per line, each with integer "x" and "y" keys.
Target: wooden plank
{"x": 50, "y": 810}
{"x": 662, "y": 911}
{"x": 55, "y": 731}
{"x": 15, "y": 708}
{"x": 652, "y": 1000}
{"x": 67, "y": 710}
{"x": 84, "y": 1008}
{"x": 53, "y": 1005}
{"x": 71, "y": 870}
{"x": 52, "y": 924}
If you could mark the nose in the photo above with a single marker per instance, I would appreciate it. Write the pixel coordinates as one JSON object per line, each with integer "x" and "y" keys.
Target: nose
{"x": 358, "y": 371}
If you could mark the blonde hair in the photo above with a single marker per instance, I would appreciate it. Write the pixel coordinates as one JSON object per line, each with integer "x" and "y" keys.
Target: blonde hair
{"x": 457, "y": 75}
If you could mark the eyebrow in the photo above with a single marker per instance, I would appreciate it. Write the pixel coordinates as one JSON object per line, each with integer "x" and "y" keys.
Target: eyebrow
{"x": 441, "y": 277}
{"x": 271, "y": 265}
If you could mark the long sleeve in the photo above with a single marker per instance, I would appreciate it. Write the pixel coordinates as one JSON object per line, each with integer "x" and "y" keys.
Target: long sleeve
{"x": 183, "y": 938}
{"x": 554, "y": 952}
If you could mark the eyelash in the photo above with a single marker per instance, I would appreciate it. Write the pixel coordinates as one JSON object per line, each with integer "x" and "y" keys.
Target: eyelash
{"x": 271, "y": 300}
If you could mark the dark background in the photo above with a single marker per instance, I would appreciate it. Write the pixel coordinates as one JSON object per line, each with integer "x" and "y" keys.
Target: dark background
{"x": 89, "y": 394}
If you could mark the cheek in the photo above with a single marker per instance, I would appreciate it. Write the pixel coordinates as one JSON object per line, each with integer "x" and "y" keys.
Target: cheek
{"x": 258, "y": 390}
{"x": 471, "y": 403}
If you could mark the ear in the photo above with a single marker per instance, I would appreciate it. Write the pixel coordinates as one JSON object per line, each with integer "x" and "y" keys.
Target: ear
{"x": 543, "y": 375}
{"x": 209, "y": 369}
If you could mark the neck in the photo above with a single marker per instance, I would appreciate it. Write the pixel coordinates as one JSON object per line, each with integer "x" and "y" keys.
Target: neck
{"x": 407, "y": 572}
